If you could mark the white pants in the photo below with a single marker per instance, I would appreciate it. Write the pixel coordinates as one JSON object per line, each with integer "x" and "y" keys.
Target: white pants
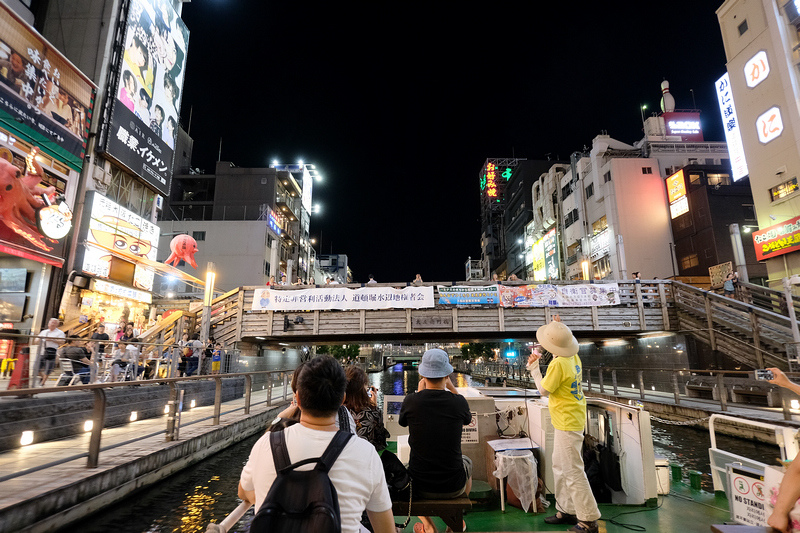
{"x": 573, "y": 493}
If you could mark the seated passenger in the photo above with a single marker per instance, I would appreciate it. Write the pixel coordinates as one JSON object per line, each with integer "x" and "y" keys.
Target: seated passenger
{"x": 356, "y": 474}
{"x": 434, "y": 416}
{"x": 79, "y": 356}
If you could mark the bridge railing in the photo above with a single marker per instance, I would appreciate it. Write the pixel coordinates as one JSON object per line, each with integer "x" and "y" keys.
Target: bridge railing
{"x": 720, "y": 386}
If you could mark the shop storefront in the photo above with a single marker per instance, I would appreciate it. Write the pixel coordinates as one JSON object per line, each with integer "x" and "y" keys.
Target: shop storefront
{"x": 110, "y": 303}
{"x": 46, "y": 107}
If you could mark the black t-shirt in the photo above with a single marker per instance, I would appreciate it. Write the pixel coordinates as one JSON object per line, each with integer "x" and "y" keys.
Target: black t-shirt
{"x": 435, "y": 419}
{"x": 101, "y": 337}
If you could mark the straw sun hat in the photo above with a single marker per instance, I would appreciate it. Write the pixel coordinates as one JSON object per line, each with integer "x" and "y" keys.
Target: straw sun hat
{"x": 557, "y": 339}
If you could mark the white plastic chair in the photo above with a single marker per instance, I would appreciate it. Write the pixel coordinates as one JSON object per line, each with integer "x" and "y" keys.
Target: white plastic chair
{"x": 67, "y": 373}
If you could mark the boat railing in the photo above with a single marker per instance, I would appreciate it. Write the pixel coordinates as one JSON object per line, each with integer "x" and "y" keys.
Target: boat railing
{"x": 230, "y": 520}
{"x": 677, "y": 384}
{"x": 168, "y": 403}
{"x": 785, "y": 437}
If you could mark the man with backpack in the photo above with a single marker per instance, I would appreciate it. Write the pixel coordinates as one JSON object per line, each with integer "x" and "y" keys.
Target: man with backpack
{"x": 355, "y": 475}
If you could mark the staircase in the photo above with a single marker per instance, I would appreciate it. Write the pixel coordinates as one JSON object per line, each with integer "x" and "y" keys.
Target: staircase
{"x": 752, "y": 335}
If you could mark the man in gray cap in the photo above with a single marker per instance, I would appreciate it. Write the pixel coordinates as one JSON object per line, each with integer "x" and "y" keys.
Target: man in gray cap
{"x": 435, "y": 415}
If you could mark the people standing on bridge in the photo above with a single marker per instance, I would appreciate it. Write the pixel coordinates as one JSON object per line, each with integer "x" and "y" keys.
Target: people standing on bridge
{"x": 357, "y": 474}
{"x": 729, "y": 285}
{"x": 575, "y": 503}
{"x": 417, "y": 279}
{"x": 54, "y": 338}
{"x": 372, "y": 280}
{"x": 435, "y": 416}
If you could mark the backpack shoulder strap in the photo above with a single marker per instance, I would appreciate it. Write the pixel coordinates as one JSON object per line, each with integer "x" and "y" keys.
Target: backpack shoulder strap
{"x": 333, "y": 450}
{"x": 280, "y": 455}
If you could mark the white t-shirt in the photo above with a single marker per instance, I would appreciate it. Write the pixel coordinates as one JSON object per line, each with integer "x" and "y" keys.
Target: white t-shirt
{"x": 357, "y": 473}
{"x": 55, "y": 334}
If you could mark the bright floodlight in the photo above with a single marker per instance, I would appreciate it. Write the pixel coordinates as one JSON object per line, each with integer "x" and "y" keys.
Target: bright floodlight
{"x": 274, "y": 161}
{"x": 300, "y": 162}
{"x": 317, "y": 208}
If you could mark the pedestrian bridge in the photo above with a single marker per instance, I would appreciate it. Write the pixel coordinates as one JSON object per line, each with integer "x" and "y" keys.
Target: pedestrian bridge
{"x": 756, "y": 332}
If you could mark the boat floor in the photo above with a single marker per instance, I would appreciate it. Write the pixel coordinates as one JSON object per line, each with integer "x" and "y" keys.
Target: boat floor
{"x": 684, "y": 510}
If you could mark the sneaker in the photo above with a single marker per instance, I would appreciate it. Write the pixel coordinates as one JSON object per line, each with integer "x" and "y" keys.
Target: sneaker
{"x": 561, "y": 518}
{"x": 585, "y": 527}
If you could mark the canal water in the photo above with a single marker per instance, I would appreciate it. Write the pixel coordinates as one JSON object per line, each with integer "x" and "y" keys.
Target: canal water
{"x": 189, "y": 501}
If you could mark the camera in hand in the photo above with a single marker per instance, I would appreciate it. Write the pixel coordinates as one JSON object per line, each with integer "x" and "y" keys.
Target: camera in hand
{"x": 764, "y": 375}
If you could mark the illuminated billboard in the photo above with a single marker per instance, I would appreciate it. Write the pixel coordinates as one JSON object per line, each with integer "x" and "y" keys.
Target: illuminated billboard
{"x": 539, "y": 268}
{"x": 756, "y": 69}
{"x": 43, "y": 97}
{"x": 685, "y": 125}
{"x": 676, "y": 186}
{"x": 769, "y": 125}
{"x": 551, "y": 254}
{"x": 145, "y": 105}
{"x": 776, "y": 240}
{"x": 730, "y": 123}
{"x": 114, "y": 228}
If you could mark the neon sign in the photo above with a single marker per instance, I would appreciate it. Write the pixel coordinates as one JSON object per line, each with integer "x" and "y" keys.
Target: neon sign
{"x": 769, "y": 125}
{"x": 733, "y": 136}
{"x": 491, "y": 183}
{"x": 757, "y": 69}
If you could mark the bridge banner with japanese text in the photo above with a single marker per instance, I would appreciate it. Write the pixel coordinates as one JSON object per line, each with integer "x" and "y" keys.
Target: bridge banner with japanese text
{"x": 468, "y": 295}
{"x": 267, "y": 299}
{"x": 544, "y": 295}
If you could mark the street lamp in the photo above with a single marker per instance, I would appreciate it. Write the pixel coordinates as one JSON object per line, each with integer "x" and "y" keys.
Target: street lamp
{"x": 642, "y": 109}
{"x": 208, "y": 298}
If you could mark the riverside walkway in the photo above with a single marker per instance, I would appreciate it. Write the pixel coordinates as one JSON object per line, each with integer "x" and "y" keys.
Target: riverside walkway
{"x": 47, "y": 485}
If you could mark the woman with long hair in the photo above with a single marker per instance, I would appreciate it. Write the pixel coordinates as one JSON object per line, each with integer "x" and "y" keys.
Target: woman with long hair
{"x": 362, "y": 402}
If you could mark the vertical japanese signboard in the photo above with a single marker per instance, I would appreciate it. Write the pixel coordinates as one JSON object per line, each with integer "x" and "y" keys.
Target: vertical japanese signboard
{"x": 551, "y": 254}
{"x": 48, "y": 100}
{"x": 143, "y": 122}
{"x": 730, "y": 123}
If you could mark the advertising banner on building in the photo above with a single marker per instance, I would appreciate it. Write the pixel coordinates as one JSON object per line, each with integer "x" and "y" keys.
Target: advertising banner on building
{"x": 114, "y": 227}
{"x": 551, "y": 254}
{"x": 48, "y": 99}
{"x": 266, "y": 299}
{"x": 546, "y": 295}
{"x": 539, "y": 268}
{"x": 468, "y": 295}
{"x": 777, "y": 240}
{"x": 733, "y": 135}
{"x": 683, "y": 124}
{"x": 143, "y": 125}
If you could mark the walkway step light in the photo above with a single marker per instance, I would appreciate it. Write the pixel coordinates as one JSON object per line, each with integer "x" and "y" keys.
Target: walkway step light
{"x": 27, "y": 438}
{"x": 192, "y": 404}
{"x": 88, "y": 425}
{"x": 134, "y": 416}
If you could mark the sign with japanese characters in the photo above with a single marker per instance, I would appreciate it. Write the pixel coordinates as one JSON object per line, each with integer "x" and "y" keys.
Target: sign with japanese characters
{"x": 769, "y": 125}
{"x": 468, "y": 295}
{"x": 746, "y": 495}
{"x": 47, "y": 98}
{"x": 143, "y": 125}
{"x": 546, "y": 295}
{"x": 730, "y": 123}
{"x": 551, "y": 254}
{"x": 676, "y": 186}
{"x": 757, "y": 69}
{"x": 123, "y": 292}
{"x": 115, "y": 228}
{"x": 777, "y": 240}
{"x": 267, "y": 299}
{"x": 539, "y": 268}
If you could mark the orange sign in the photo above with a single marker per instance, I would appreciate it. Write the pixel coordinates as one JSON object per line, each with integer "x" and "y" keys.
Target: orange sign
{"x": 676, "y": 186}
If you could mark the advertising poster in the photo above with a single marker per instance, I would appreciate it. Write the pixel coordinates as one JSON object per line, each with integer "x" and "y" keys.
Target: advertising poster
{"x": 114, "y": 227}
{"x": 539, "y": 269}
{"x": 468, "y": 295}
{"x": 777, "y": 240}
{"x": 546, "y": 295}
{"x": 147, "y": 99}
{"x": 266, "y": 299}
{"x": 551, "y": 254}
{"x": 47, "y": 98}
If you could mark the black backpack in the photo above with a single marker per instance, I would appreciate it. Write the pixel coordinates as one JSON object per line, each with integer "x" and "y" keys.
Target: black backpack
{"x": 301, "y": 500}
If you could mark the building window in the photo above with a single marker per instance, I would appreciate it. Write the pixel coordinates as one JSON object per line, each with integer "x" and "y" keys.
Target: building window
{"x": 590, "y": 190}
{"x": 743, "y": 27}
{"x": 689, "y": 261}
{"x": 719, "y": 179}
{"x": 646, "y": 170}
{"x": 602, "y": 267}
{"x": 571, "y": 218}
{"x": 599, "y": 225}
{"x": 266, "y": 268}
{"x": 749, "y": 211}
{"x": 695, "y": 179}
{"x": 784, "y": 189}
{"x": 199, "y": 235}
{"x": 607, "y": 177}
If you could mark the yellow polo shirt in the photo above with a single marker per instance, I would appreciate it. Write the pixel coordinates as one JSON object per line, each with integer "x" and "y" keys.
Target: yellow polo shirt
{"x": 566, "y": 401}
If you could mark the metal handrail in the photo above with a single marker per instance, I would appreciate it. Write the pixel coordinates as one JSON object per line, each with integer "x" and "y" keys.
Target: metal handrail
{"x": 173, "y": 418}
{"x": 230, "y": 520}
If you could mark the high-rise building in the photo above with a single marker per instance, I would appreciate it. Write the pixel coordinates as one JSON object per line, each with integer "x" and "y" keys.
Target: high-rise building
{"x": 759, "y": 98}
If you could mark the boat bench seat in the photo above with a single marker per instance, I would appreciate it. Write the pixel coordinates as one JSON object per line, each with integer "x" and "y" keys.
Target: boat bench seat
{"x": 450, "y": 511}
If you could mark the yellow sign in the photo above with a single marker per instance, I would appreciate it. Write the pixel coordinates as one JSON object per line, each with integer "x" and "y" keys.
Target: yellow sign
{"x": 539, "y": 265}
{"x": 676, "y": 186}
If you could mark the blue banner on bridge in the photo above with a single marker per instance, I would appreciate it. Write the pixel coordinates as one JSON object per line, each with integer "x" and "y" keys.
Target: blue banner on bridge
{"x": 468, "y": 295}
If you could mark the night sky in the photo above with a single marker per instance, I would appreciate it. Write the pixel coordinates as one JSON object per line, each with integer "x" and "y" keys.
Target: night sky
{"x": 398, "y": 104}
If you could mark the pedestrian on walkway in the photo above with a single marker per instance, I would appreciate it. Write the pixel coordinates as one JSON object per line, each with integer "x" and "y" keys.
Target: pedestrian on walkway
{"x": 54, "y": 338}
